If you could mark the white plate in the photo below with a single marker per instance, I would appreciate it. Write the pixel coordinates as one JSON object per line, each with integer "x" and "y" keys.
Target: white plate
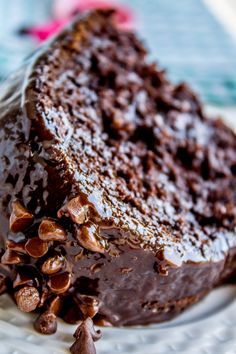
{"x": 207, "y": 328}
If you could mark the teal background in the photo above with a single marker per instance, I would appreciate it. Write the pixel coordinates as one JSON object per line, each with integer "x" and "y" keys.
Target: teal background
{"x": 183, "y": 36}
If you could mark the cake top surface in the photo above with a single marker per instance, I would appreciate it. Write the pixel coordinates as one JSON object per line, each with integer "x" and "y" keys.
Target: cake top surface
{"x": 135, "y": 150}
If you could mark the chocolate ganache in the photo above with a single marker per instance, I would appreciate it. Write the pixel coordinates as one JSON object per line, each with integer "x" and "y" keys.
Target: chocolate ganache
{"x": 117, "y": 193}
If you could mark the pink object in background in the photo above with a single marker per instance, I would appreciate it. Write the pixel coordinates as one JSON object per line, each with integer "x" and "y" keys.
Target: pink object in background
{"x": 64, "y": 10}
{"x": 44, "y": 31}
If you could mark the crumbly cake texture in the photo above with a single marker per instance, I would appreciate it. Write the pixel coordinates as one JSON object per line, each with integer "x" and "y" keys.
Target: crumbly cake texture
{"x": 117, "y": 193}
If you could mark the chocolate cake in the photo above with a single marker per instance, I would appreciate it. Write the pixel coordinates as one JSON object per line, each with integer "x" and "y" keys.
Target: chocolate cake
{"x": 117, "y": 193}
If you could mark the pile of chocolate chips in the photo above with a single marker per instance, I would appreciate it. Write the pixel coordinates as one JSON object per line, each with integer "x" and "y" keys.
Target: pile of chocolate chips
{"x": 26, "y": 290}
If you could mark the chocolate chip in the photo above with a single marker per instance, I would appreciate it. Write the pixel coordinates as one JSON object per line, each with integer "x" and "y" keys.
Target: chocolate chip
{"x": 14, "y": 246}
{"x": 55, "y": 305}
{"x": 27, "y": 298}
{"x": 87, "y": 325}
{"x": 49, "y": 230}
{"x": 36, "y": 248}
{"x": 20, "y": 217}
{"x": 85, "y": 336}
{"x": 44, "y": 296}
{"x": 89, "y": 305}
{"x": 22, "y": 279}
{"x": 53, "y": 264}
{"x": 75, "y": 211}
{"x": 11, "y": 257}
{"x": 59, "y": 283}
{"x": 87, "y": 237}
{"x": 46, "y": 323}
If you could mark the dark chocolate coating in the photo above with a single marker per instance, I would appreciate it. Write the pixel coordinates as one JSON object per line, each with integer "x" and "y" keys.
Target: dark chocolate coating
{"x": 88, "y": 117}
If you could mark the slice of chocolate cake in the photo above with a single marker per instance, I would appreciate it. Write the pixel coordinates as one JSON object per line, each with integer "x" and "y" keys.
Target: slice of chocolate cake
{"x": 117, "y": 193}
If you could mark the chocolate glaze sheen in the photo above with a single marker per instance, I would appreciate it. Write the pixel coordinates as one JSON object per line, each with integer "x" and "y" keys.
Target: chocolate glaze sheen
{"x": 130, "y": 186}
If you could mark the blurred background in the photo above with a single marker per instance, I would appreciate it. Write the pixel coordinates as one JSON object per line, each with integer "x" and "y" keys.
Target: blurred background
{"x": 195, "y": 40}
